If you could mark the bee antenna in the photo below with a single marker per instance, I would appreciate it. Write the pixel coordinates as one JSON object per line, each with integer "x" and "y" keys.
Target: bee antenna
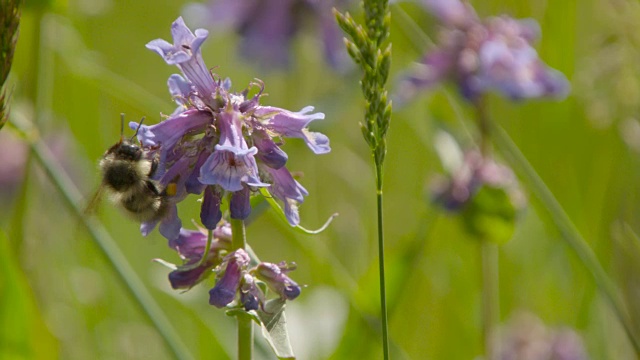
{"x": 138, "y": 128}
{"x": 121, "y": 126}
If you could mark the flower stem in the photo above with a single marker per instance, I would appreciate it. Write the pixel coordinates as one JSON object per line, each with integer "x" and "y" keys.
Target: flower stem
{"x": 207, "y": 248}
{"x": 490, "y": 297}
{"x": 245, "y": 327}
{"x": 488, "y": 252}
{"x": 383, "y": 292}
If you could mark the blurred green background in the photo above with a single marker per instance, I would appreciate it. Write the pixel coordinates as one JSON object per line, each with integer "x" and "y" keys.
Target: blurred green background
{"x": 80, "y": 63}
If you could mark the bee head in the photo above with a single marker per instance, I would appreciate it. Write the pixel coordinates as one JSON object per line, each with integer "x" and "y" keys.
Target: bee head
{"x": 128, "y": 151}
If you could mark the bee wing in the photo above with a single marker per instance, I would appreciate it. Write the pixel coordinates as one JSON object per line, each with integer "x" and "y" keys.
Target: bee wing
{"x": 94, "y": 202}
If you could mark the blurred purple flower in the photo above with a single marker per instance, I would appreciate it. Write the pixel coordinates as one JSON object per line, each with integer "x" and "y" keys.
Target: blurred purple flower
{"x": 480, "y": 56}
{"x": 217, "y": 141}
{"x": 527, "y": 337}
{"x": 462, "y": 183}
{"x": 268, "y": 27}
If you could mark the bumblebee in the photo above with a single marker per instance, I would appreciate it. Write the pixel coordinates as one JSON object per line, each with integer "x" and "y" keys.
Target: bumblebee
{"x": 127, "y": 171}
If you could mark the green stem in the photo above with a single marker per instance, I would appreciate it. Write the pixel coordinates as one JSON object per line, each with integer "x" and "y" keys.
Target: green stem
{"x": 383, "y": 292}
{"x": 488, "y": 252}
{"x": 490, "y": 297}
{"x": 72, "y": 197}
{"x": 245, "y": 327}
{"x": 568, "y": 230}
{"x": 207, "y": 248}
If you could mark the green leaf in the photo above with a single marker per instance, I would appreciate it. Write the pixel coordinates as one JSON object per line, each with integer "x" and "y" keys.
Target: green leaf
{"x": 274, "y": 328}
{"x": 23, "y": 334}
{"x": 490, "y": 215}
{"x": 265, "y": 193}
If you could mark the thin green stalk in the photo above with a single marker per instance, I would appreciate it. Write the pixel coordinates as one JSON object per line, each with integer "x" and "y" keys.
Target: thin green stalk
{"x": 383, "y": 291}
{"x": 72, "y": 197}
{"x": 568, "y": 230}
{"x": 245, "y": 326}
{"x": 490, "y": 297}
{"x": 367, "y": 49}
{"x": 207, "y": 248}
{"x": 488, "y": 252}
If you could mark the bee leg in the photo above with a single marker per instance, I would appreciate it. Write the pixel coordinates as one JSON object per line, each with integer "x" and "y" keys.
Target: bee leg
{"x": 152, "y": 187}
{"x": 154, "y": 167}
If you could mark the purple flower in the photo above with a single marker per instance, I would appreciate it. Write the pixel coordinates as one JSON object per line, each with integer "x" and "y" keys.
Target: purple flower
{"x": 496, "y": 54}
{"x": 232, "y": 163}
{"x": 287, "y": 190}
{"x": 275, "y": 276}
{"x": 527, "y": 337}
{"x": 185, "y": 53}
{"x": 454, "y": 193}
{"x": 294, "y": 124}
{"x": 216, "y": 141}
{"x": 233, "y": 268}
{"x": 190, "y": 245}
{"x": 268, "y": 27}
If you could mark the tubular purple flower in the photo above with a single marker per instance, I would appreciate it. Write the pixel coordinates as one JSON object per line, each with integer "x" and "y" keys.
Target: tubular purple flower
{"x": 268, "y": 152}
{"x": 186, "y": 279}
{"x": 171, "y": 224}
{"x": 190, "y": 245}
{"x": 210, "y": 214}
{"x": 193, "y": 185}
{"x": 227, "y": 286}
{"x": 232, "y": 163}
{"x": 288, "y": 190}
{"x": 185, "y": 53}
{"x": 168, "y": 132}
{"x": 180, "y": 91}
{"x": 240, "y": 204}
{"x": 250, "y": 296}
{"x": 294, "y": 124}
{"x": 275, "y": 277}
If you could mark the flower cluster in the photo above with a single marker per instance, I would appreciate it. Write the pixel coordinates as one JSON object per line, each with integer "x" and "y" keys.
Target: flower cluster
{"x": 235, "y": 279}
{"x": 221, "y": 143}
{"x": 268, "y": 27}
{"x": 495, "y": 54}
{"x": 527, "y": 337}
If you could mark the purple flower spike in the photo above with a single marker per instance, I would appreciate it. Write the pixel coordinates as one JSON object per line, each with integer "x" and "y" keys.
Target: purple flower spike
{"x": 215, "y": 140}
{"x": 289, "y": 191}
{"x": 227, "y": 286}
{"x": 210, "y": 213}
{"x": 275, "y": 277}
{"x": 185, "y": 53}
{"x": 294, "y": 124}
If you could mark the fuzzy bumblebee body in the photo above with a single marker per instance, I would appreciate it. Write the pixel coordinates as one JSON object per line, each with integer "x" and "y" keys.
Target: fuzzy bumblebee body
{"x": 127, "y": 177}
